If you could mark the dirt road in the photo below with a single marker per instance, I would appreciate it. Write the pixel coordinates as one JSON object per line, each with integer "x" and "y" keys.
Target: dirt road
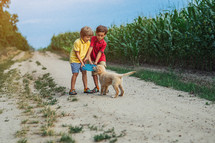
{"x": 147, "y": 113}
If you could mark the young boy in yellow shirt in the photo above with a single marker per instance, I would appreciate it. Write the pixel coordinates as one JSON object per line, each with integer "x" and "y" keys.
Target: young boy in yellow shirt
{"x": 77, "y": 55}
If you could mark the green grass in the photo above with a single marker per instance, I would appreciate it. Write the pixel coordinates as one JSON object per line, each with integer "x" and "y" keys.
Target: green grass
{"x": 66, "y": 139}
{"x": 22, "y": 140}
{"x": 171, "y": 80}
{"x": 1, "y": 111}
{"x": 101, "y": 137}
{"x": 109, "y": 135}
{"x": 38, "y": 63}
{"x": 48, "y": 88}
{"x": 75, "y": 129}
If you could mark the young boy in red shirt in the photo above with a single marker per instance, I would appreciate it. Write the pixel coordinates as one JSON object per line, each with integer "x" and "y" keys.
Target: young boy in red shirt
{"x": 96, "y": 51}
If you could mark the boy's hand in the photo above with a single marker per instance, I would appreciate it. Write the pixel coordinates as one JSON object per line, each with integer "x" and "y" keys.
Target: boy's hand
{"x": 86, "y": 59}
{"x": 91, "y": 62}
{"x": 82, "y": 64}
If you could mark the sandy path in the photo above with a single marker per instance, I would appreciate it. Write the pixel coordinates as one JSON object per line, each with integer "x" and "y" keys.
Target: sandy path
{"x": 149, "y": 113}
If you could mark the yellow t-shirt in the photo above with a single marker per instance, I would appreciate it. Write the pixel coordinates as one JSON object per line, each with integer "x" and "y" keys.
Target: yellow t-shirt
{"x": 80, "y": 46}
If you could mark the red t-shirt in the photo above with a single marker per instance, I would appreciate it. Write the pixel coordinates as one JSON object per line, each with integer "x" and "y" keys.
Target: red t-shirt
{"x": 98, "y": 46}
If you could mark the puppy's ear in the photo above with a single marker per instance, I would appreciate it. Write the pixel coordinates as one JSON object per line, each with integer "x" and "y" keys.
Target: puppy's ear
{"x": 98, "y": 70}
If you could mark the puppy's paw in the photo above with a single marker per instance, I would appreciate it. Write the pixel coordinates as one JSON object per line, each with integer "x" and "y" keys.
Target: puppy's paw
{"x": 114, "y": 96}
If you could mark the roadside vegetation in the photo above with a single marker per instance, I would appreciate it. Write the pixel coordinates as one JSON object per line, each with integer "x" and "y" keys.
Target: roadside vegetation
{"x": 171, "y": 79}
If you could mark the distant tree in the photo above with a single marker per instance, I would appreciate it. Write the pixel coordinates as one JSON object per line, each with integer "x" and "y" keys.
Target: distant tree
{"x": 9, "y": 35}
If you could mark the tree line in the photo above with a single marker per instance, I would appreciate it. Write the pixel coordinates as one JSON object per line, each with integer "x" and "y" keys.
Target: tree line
{"x": 9, "y": 34}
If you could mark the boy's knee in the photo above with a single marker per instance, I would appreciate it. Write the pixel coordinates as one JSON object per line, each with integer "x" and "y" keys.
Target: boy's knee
{"x": 75, "y": 74}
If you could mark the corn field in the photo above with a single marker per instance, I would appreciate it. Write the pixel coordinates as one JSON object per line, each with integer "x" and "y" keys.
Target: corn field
{"x": 182, "y": 38}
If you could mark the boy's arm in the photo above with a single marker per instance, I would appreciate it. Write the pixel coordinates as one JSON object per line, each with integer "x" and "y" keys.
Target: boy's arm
{"x": 88, "y": 55}
{"x": 98, "y": 57}
{"x": 79, "y": 58}
{"x": 100, "y": 53}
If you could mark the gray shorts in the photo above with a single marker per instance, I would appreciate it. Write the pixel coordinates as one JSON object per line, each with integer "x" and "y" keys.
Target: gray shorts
{"x": 75, "y": 67}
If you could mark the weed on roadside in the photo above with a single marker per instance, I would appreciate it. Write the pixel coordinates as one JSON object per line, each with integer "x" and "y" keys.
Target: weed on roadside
{"x": 44, "y": 68}
{"x": 108, "y": 135}
{"x": 38, "y": 63}
{"x": 92, "y": 127}
{"x": 1, "y": 111}
{"x": 66, "y": 139}
{"x": 47, "y": 131}
{"x": 75, "y": 129}
{"x": 47, "y": 87}
{"x": 21, "y": 133}
{"x": 22, "y": 140}
{"x": 24, "y": 121}
{"x": 72, "y": 99}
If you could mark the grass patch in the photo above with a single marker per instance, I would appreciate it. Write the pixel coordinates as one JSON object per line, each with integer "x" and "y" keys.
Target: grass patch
{"x": 1, "y": 111}
{"x": 92, "y": 127}
{"x": 47, "y": 132}
{"x": 48, "y": 88}
{"x": 75, "y": 129}
{"x": 72, "y": 99}
{"x": 38, "y": 63}
{"x": 21, "y": 133}
{"x": 33, "y": 122}
{"x": 66, "y": 139}
{"x": 22, "y": 140}
{"x": 109, "y": 135}
{"x": 49, "y": 115}
{"x": 44, "y": 68}
{"x": 171, "y": 80}
{"x": 101, "y": 137}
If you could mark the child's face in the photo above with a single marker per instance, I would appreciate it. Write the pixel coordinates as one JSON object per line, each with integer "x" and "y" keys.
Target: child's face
{"x": 86, "y": 38}
{"x": 100, "y": 35}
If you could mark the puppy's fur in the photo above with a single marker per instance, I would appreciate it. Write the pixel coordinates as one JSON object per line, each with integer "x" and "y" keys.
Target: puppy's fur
{"x": 113, "y": 79}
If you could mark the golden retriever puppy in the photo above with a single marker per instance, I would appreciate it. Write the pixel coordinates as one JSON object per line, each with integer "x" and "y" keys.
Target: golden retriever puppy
{"x": 107, "y": 79}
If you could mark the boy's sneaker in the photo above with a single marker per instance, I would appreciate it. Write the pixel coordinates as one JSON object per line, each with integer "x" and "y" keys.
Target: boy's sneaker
{"x": 72, "y": 92}
{"x": 87, "y": 90}
{"x": 95, "y": 90}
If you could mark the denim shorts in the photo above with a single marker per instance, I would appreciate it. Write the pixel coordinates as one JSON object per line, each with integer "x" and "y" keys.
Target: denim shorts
{"x": 75, "y": 67}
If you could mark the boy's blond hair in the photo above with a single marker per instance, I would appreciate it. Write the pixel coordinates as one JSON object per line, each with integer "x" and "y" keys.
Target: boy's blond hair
{"x": 86, "y": 31}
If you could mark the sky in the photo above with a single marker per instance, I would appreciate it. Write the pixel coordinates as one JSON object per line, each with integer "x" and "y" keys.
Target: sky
{"x": 39, "y": 20}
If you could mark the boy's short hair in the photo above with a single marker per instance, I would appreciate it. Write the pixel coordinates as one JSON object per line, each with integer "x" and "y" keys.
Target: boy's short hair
{"x": 101, "y": 28}
{"x": 86, "y": 31}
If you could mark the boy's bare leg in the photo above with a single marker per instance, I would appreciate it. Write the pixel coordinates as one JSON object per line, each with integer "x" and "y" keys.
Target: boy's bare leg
{"x": 73, "y": 80}
{"x": 95, "y": 79}
{"x": 84, "y": 78}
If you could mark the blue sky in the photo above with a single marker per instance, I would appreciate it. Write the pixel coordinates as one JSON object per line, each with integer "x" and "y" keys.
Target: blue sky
{"x": 39, "y": 20}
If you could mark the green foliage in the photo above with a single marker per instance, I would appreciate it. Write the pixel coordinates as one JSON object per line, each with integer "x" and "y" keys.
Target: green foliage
{"x": 48, "y": 88}
{"x": 66, "y": 139}
{"x": 182, "y": 38}
{"x": 9, "y": 35}
{"x": 75, "y": 129}
{"x": 63, "y": 41}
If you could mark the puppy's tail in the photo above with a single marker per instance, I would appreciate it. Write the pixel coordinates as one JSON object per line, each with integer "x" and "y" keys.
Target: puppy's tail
{"x": 129, "y": 73}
